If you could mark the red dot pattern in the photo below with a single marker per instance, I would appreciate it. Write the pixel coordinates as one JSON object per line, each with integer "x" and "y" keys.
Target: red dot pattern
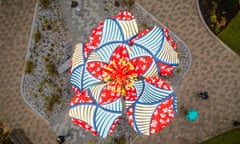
{"x": 110, "y": 93}
{"x": 142, "y": 64}
{"x": 125, "y": 15}
{"x": 131, "y": 94}
{"x": 114, "y": 125}
{"x": 96, "y": 69}
{"x": 162, "y": 116}
{"x": 130, "y": 117}
{"x": 169, "y": 39}
{"x": 94, "y": 39}
{"x": 158, "y": 82}
{"x": 165, "y": 70}
{"x": 84, "y": 125}
{"x": 82, "y": 97}
{"x": 120, "y": 53}
{"x": 75, "y": 89}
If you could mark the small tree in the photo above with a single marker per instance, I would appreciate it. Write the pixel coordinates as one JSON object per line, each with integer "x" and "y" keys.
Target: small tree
{"x": 37, "y": 36}
{"x": 28, "y": 66}
{"x": 127, "y": 3}
{"x": 4, "y": 136}
{"x": 51, "y": 69}
{"x": 45, "y": 3}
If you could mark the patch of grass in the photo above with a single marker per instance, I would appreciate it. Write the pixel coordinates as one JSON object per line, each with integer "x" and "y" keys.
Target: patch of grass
{"x": 120, "y": 140}
{"x": 178, "y": 70}
{"x": 4, "y": 135}
{"x": 37, "y": 36}
{"x": 45, "y": 3}
{"x": 231, "y": 34}
{"x": 92, "y": 141}
{"x": 230, "y": 137}
{"x": 28, "y": 66}
{"x": 40, "y": 86}
{"x": 127, "y": 3}
{"x": 145, "y": 25}
{"x": 51, "y": 101}
{"x": 51, "y": 69}
{"x": 35, "y": 96}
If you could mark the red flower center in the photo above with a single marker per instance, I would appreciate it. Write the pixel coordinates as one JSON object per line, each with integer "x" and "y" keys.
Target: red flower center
{"x": 121, "y": 72}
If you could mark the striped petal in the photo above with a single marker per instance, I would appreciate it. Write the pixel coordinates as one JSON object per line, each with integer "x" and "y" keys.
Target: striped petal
{"x": 156, "y": 42}
{"x": 154, "y": 108}
{"x": 86, "y": 112}
{"x": 82, "y": 79}
{"x": 118, "y": 29}
{"x": 78, "y": 57}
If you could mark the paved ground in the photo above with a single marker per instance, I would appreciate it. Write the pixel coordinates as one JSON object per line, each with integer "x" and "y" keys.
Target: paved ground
{"x": 214, "y": 69}
{"x": 15, "y": 26}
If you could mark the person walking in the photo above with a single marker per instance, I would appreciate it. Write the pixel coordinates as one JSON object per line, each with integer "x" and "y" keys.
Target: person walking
{"x": 60, "y": 139}
{"x": 203, "y": 95}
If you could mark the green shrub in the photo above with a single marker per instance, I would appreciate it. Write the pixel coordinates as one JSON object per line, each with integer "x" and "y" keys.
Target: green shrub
{"x": 28, "y": 66}
{"x": 217, "y": 28}
{"x": 45, "y": 3}
{"x": 214, "y": 4}
{"x": 40, "y": 86}
{"x": 120, "y": 140}
{"x": 178, "y": 70}
{"x": 145, "y": 25}
{"x": 37, "y": 36}
{"x": 50, "y": 101}
{"x": 131, "y": 3}
{"x": 213, "y": 12}
{"x": 51, "y": 69}
{"x": 4, "y": 135}
{"x": 223, "y": 21}
{"x": 49, "y": 105}
{"x": 213, "y": 19}
{"x": 55, "y": 98}
{"x": 46, "y": 21}
{"x": 45, "y": 58}
{"x": 128, "y": 3}
{"x": 35, "y": 95}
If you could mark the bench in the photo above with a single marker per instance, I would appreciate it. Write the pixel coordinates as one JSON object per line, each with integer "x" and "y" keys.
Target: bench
{"x": 64, "y": 67}
{"x": 18, "y": 137}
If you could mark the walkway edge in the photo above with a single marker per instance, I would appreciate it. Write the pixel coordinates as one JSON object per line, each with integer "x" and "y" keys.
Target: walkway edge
{"x": 210, "y": 32}
{"x": 26, "y": 57}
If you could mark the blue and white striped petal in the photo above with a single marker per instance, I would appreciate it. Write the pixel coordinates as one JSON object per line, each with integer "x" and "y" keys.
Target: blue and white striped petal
{"x": 156, "y": 43}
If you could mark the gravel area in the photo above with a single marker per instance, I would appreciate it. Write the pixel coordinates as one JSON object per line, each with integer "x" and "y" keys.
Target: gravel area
{"x": 38, "y": 86}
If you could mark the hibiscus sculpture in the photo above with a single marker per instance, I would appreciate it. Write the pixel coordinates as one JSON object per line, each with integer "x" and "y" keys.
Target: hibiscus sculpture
{"x": 117, "y": 72}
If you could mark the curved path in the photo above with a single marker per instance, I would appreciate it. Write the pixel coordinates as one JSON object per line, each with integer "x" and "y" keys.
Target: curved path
{"x": 214, "y": 69}
{"x": 15, "y": 26}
